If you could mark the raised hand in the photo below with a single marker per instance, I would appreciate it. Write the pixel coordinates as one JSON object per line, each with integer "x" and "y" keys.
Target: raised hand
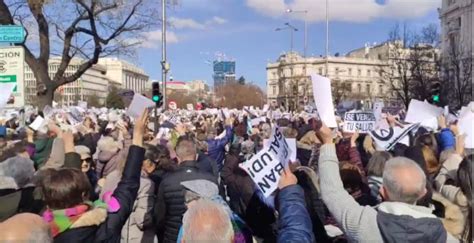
{"x": 139, "y": 129}
{"x": 325, "y": 134}
{"x": 287, "y": 178}
{"x": 442, "y": 122}
{"x": 354, "y": 138}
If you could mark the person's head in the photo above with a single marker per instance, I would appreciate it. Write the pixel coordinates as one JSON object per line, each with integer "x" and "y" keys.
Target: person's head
{"x": 465, "y": 183}
{"x": 156, "y": 157}
{"x": 432, "y": 163}
{"x": 185, "y": 149}
{"x": 25, "y": 227}
{"x": 64, "y": 188}
{"x": 86, "y": 158}
{"x": 377, "y": 162}
{"x": 21, "y": 169}
{"x": 351, "y": 177}
{"x": 403, "y": 181}
{"x": 207, "y": 221}
{"x": 14, "y": 149}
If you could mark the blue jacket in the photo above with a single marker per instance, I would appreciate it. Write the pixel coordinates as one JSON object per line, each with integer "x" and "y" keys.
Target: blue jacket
{"x": 294, "y": 224}
{"x": 446, "y": 139}
{"x": 216, "y": 147}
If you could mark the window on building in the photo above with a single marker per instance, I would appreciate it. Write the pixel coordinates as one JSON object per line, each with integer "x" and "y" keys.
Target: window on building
{"x": 380, "y": 89}
{"x": 369, "y": 73}
{"x": 367, "y": 88}
{"x": 337, "y": 71}
{"x": 274, "y": 90}
{"x": 379, "y": 56}
{"x": 359, "y": 72}
{"x": 320, "y": 71}
{"x": 359, "y": 88}
{"x": 349, "y": 71}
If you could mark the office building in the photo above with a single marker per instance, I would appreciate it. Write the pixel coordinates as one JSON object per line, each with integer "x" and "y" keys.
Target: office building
{"x": 126, "y": 75}
{"x": 224, "y": 71}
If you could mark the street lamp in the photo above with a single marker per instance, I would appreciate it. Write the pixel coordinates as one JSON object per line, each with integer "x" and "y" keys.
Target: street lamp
{"x": 292, "y": 29}
{"x": 305, "y": 12}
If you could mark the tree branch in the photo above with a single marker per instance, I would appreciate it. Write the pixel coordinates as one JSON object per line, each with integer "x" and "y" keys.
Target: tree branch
{"x": 36, "y": 8}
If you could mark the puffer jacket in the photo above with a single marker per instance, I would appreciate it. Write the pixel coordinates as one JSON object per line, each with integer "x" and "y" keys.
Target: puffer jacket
{"x": 110, "y": 228}
{"x": 139, "y": 226}
{"x": 107, "y": 164}
{"x": 170, "y": 202}
{"x": 294, "y": 224}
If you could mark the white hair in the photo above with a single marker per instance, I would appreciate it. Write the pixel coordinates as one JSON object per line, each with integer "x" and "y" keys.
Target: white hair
{"x": 396, "y": 188}
{"x": 207, "y": 221}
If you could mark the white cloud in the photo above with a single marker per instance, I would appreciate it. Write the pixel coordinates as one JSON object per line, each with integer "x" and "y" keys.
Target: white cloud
{"x": 152, "y": 39}
{"x": 186, "y": 24}
{"x": 345, "y": 10}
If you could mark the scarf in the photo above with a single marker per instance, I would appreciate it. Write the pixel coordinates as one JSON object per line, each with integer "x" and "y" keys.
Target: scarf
{"x": 62, "y": 220}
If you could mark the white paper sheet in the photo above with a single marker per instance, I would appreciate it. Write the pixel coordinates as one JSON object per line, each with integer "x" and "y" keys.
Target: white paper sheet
{"x": 423, "y": 113}
{"x": 323, "y": 99}
{"x": 37, "y": 123}
{"x": 138, "y": 105}
{"x": 6, "y": 91}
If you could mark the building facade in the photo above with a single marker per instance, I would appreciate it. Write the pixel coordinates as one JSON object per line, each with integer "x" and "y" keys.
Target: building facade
{"x": 126, "y": 75}
{"x": 224, "y": 71}
{"x": 289, "y": 84}
{"x": 93, "y": 82}
{"x": 457, "y": 29}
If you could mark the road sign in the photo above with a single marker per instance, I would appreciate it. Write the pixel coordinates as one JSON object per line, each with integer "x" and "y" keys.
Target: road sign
{"x": 12, "y": 34}
{"x": 12, "y": 66}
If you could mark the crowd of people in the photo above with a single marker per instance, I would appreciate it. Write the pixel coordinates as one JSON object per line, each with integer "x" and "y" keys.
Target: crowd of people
{"x": 112, "y": 178}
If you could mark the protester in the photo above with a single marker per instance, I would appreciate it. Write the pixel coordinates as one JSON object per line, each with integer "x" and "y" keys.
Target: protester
{"x": 25, "y": 227}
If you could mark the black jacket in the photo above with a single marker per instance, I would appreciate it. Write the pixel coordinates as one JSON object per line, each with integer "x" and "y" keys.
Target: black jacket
{"x": 170, "y": 203}
{"x": 126, "y": 193}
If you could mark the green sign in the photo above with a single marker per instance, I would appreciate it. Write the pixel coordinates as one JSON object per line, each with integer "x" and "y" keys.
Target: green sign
{"x": 12, "y": 34}
{"x": 9, "y": 79}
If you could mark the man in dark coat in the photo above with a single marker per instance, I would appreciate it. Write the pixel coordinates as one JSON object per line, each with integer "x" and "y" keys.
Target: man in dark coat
{"x": 216, "y": 146}
{"x": 170, "y": 204}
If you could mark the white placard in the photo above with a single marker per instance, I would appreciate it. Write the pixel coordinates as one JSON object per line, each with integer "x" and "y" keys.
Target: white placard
{"x": 385, "y": 139}
{"x": 138, "y": 105}
{"x": 267, "y": 165}
{"x": 266, "y": 107}
{"x": 361, "y": 121}
{"x": 82, "y": 104}
{"x": 423, "y": 113}
{"x": 7, "y": 89}
{"x": 189, "y": 107}
{"x": 38, "y": 123}
{"x": 466, "y": 127}
{"x": 323, "y": 99}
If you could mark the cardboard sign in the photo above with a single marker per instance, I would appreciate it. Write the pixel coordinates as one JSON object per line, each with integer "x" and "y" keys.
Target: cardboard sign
{"x": 267, "y": 165}
{"x": 138, "y": 105}
{"x": 323, "y": 99}
{"x": 361, "y": 121}
{"x": 385, "y": 139}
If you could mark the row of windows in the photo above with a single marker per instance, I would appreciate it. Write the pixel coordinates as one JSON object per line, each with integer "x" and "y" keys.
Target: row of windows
{"x": 368, "y": 89}
{"x": 135, "y": 83}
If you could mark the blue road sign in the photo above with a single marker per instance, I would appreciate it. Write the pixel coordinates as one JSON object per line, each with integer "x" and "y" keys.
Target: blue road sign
{"x": 12, "y": 34}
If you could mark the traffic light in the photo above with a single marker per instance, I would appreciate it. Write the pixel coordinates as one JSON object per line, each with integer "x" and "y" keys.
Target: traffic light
{"x": 156, "y": 95}
{"x": 435, "y": 92}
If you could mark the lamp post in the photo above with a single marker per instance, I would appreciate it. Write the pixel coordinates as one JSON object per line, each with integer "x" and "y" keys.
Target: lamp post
{"x": 327, "y": 38}
{"x": 305, "y": 12}
{"x": 292, "y": 29}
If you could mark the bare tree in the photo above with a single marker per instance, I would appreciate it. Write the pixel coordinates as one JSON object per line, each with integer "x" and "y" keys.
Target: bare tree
{"x": 457, "y": 75}
{"x": 412, "y": 64}
{"x": 235, "y": 95}
{"x": 85, "y": 29}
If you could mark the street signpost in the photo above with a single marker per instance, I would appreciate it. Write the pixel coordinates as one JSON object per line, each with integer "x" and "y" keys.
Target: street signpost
{"x": 12, "y": 71}
{"x": 12, "y": 34}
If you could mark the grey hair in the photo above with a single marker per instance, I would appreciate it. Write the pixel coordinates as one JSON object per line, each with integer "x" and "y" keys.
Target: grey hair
{"x": 376, "y": 164}
{"x": 19, "y": 168}
{"x": 207, "y": 221}
{"x": 41, "y": 236}
{"x": 186, "y": 148}
{"x": 395, "y": 188}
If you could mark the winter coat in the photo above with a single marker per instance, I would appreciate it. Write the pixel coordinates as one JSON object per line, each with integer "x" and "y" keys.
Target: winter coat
{"x": 453, "y": 219}
{"x": 170, "y": 202}
{"x": 216, "y": 147}
{"x": 96, "y": 226}
{"x": 294, "y": 223}
{"x": 107, "y": 164}
{"x": 240, "y": 186}
{"x": 42, "y": 151}
{"x": 446, "y": 139}
{"x": 57, "y": 155}
{"x": 9, "y": 197}
{"x": 139, "y": 226}
{"x": 207, "y": 164}
{"x": 366, "y": 224}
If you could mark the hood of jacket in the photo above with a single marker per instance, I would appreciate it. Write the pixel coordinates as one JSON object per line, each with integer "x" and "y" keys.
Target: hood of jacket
{"x": 401, "y": 222}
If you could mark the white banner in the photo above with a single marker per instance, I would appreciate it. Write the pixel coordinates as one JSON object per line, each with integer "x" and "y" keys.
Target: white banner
{"x": 267, "y": 165}
{"x": 323, "y": 99}
{"x": 385, "y": 139}
{"x": 424, "y": 113}
{"x": 361, "y": 121}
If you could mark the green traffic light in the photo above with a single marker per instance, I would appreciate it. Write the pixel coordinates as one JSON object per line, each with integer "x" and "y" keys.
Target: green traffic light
{"x": 156, "y": 98}
{"x": 436, "y": 98}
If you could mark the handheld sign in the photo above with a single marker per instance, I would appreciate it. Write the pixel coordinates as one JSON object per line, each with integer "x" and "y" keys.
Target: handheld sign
{"x": 386, "y": 139}
{"x": 323, "y": 99}
{"x": 361, "y": 121}
{"x": 267, "y": 165}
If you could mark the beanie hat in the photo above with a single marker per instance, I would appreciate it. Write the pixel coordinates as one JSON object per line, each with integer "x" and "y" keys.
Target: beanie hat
{"x": 83, "y": 151}
{"x": 108, "y": 144}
